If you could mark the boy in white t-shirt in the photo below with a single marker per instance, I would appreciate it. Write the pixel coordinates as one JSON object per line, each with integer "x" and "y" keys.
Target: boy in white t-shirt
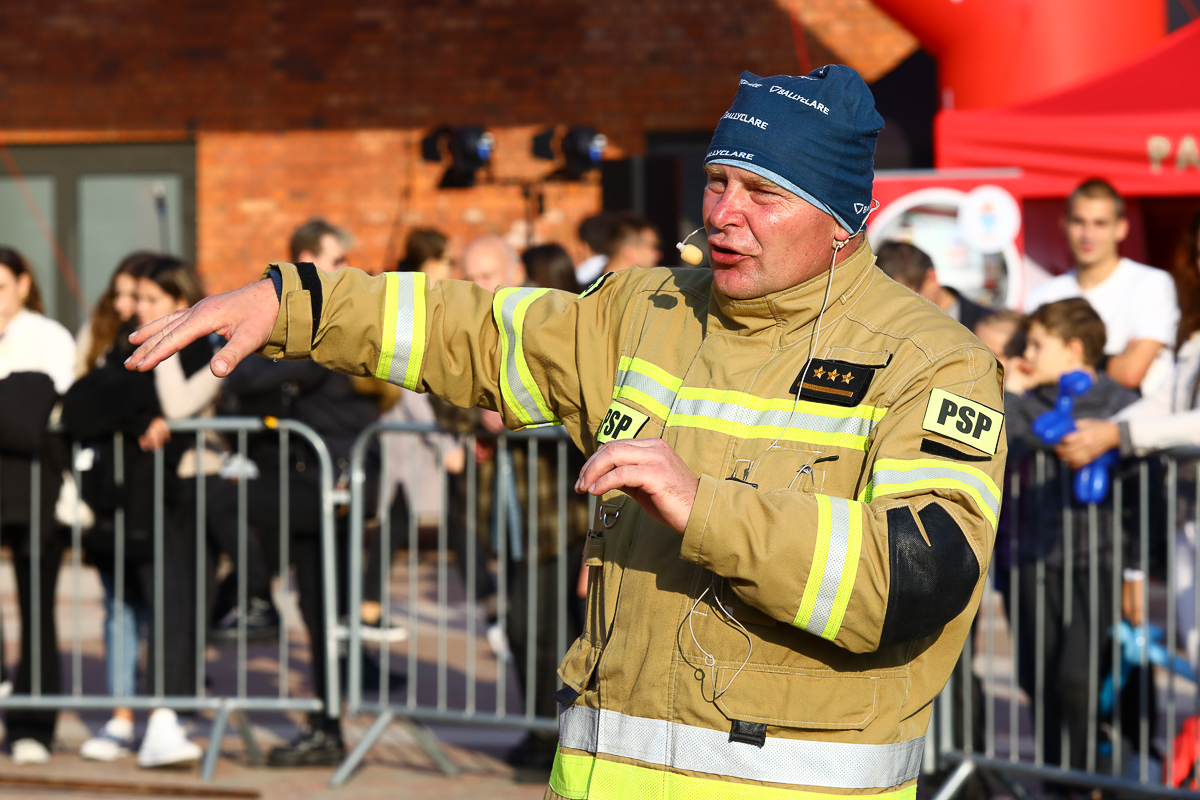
{"x": 1136, "y": 302}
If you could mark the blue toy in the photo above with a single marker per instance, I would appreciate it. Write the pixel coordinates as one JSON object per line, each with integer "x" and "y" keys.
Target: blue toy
{"x": 1092, "y": 479}
{"x": 1132, "y": 645}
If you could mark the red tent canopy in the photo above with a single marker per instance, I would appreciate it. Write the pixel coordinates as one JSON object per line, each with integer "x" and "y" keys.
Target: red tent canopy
{"x": 1137, "y": 127}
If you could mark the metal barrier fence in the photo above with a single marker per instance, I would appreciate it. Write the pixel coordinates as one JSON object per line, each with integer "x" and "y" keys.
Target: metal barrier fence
{"x": 1052, "y": 687}
{"x": 224, "y": 700}
{"x": 443, "y": 636}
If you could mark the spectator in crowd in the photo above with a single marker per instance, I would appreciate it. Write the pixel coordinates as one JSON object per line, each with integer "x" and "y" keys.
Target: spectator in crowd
{"x": 338, "y": 408}
{"x": 549, "y": 266}
{"x": 103, "y": 403}
{"x": 427, "y": 250}
{"x": 1062, "y": 337}
{"x": 492, "y": 263}
{"x": 593, "y": 232}
{"x": 1167, "y": 417}
{"x": 1003, "y": 333}
{"x": 321, "y": 244}
{"x": 1136, "y": 302}
{"x": 412, "y": 463}
{"x": 632, "y": 242}
{"x": 910, "y": 266}
{"x": 37, "y": 356}
{"x": 103, "y": 345}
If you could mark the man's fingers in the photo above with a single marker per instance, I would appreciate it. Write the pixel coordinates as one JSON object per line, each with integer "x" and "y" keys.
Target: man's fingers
{"x": 228, "y": 357}
{"x": 617, "y": 454}
{"x": 150, "y": 328}
{"x": 175, "y": 335}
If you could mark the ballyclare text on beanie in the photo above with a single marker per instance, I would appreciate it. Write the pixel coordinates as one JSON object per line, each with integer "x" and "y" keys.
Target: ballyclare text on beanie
{"x": 814, "y": 135}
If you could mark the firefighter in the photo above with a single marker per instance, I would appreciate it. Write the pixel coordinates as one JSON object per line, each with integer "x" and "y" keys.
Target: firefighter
{"x": 797, "y": 463}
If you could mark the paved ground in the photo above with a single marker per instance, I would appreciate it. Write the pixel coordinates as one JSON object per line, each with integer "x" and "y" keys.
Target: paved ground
{"x": 396, "y": 766}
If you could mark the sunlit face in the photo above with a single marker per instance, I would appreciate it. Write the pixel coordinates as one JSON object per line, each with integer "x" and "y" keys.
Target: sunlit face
{"x": 491, "y": 268}
{"x": 13, "y": 291}
{"x": 1049, "y": 356}
{"x": 436, "y": 269}
{"x": 125, "y": 297}
{"x": 1094, "y": 230}
{"x": 762, "y": 238}
{"x": 153, "y": 303}
{"x": 331, "y": 257}
{"x": 643, "y": 250}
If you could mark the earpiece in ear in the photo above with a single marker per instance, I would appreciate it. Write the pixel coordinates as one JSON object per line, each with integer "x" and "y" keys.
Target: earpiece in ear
{"x": 689, "y": 253}
{"x": 838, "y": 244}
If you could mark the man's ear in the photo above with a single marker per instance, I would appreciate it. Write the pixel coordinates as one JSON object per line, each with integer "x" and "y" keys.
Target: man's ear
{"x": 1122, "y": 229}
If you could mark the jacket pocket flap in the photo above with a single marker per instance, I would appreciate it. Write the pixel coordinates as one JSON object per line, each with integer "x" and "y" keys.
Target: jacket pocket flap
{"x": 825, "y": 701}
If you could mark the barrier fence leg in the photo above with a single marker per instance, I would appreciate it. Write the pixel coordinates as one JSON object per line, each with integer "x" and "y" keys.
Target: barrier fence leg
{"x": 956, "y": 780}
{"x": 432, "y": 748}
{"x": 253, "y": 754}
{"x": 362, "y": 748}
{"x": 214, "y": 743}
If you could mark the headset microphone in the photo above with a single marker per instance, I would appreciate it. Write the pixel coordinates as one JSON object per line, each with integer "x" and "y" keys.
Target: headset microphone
{"x": 689, "y": 253}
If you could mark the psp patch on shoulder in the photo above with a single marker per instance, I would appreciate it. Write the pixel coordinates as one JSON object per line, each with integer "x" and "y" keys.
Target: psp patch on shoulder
{"x": 596, "y": 284}
{"x": 837, "y": 382}
{"x": 620, "y": 422}
{"x": 963, "y": 420}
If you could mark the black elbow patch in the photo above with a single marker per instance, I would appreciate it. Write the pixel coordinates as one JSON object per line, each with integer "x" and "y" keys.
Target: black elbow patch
{"x": 931, "y": 583}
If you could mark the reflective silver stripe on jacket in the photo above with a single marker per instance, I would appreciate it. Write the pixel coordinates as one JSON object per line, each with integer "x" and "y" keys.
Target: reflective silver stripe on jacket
{"x": 830, "y": 764}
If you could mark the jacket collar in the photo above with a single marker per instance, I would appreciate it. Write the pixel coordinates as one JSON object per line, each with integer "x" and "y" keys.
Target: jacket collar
{"x": 791, "y": 311}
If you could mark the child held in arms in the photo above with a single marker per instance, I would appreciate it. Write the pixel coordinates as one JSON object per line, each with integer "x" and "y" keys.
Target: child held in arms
{"x": 1062, "y": 337}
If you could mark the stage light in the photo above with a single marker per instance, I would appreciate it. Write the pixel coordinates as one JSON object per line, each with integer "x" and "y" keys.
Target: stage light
{"x": 469, "y": 147}
{"x": 581, "y": 149}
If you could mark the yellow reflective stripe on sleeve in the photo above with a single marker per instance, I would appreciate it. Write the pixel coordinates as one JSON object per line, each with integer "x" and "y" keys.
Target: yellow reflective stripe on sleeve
{"x": 894, "y": 476}
{"x": 834, "y": 567}
{"x": 520, "y": 391}
{"x": 402, "y": 348}
{"x": 579, "y": 777}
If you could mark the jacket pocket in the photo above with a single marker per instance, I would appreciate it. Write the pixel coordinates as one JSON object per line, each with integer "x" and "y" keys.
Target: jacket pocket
{"x": 812, "y": 700}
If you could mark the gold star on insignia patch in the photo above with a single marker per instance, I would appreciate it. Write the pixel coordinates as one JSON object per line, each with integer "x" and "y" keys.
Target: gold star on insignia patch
{"x": 818, "y": 372}
{"x": 833, "y": 374}
{"x": 847, "y": 378}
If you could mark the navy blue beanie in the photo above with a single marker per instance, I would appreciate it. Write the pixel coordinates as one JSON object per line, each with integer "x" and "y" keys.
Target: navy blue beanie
{"x": 814, "y": 135}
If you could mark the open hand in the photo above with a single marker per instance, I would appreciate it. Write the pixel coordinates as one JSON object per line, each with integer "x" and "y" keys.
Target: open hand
{"x": 244, "y": 316}
{"x": 647, "y": 470}
{"x": 1091, "y": 439}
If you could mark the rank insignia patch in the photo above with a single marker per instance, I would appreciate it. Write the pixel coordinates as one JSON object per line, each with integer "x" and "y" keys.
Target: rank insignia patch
{"x": 836, "y": 382}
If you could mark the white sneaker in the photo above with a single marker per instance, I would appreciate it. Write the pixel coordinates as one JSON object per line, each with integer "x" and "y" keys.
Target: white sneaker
{"x": 29, "y": 751}
{"x": 165, "y": 743}
{"x": 114, "y": 741}
{"x": 498, "y": 641}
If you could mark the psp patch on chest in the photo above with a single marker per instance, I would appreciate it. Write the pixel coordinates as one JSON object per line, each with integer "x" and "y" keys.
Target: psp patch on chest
{"x": 620, "y": 422}
{"x": 836, "y": 382}
{"x": 963, "y": 420}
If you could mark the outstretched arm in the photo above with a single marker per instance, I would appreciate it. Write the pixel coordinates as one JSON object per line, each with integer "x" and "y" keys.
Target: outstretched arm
{"x": 244, "y": 316}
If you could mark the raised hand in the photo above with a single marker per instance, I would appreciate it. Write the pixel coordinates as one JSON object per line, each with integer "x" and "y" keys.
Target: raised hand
{"x": 244, "y": 316}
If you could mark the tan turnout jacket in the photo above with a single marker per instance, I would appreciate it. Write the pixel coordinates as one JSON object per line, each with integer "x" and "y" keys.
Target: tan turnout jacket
{"x": 793, "y": 639}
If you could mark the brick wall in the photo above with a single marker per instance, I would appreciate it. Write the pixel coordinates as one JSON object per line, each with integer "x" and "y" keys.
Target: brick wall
{"x": 303, "y": 108}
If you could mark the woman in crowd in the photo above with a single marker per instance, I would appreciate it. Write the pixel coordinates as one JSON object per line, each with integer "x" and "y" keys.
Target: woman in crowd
{"x": 37, "y": 357}
{"x": 407, "y": 456}
{"x": 114, "y": 401}
{"x": 106, "y": 402}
